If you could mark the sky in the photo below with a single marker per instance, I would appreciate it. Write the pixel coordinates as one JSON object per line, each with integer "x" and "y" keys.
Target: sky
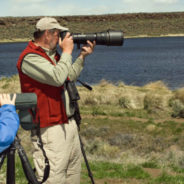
{"x": 18, "y": 8}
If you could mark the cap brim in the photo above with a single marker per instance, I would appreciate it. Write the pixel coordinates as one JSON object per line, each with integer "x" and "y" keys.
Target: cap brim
{"x": 62, "y": 28}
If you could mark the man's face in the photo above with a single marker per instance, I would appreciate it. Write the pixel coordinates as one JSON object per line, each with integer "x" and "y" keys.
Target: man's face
{"x": 53, "y": 38}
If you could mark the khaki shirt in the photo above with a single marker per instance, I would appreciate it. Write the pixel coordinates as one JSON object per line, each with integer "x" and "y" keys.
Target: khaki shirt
{"x": 40, "y": 69}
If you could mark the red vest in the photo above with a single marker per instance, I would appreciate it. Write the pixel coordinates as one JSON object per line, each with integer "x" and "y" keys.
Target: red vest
{"x": 50, "y": 107}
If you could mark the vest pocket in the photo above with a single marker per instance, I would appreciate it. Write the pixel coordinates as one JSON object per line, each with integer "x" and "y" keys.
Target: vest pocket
{"x": 54, "y": 106}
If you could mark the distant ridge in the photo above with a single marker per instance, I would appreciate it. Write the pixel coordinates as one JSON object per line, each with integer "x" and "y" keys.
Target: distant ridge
{"x": 133, "y": 24}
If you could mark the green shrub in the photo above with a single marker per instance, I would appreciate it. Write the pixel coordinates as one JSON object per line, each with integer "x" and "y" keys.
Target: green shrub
{"x": 177, "y": 108}
{"x": 97, "y": 111}
{"x": 150, "y": 164}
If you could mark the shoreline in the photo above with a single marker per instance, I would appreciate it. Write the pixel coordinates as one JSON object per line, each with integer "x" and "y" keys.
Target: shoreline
{"x": 158, "y": 82}
{"x": 156, "y": 36}
{"x": 14, "y": 40}
{"x": 138, "y": 36}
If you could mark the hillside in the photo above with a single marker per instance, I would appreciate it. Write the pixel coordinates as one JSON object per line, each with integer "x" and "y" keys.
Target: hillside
{"x": 132, "y": 24}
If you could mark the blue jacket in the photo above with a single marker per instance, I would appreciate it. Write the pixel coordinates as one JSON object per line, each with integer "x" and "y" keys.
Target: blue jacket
{"x": 9, "y": 124}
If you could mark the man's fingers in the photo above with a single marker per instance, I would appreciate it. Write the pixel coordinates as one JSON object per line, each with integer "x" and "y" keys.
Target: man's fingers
{"x": 91, "y": 44}
{"x": 67, "y": 35}
{"x": 85, "y": 48}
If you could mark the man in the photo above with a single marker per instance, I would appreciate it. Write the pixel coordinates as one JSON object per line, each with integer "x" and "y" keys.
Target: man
{"x": 44, "y": 72}
{"x": 9, "y": 121}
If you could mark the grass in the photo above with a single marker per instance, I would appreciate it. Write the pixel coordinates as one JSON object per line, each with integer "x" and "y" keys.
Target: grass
{"x": 177, "y": 169}
{"x": 168, "y": 179}
{"x": 122, "y": 169}
{"x": 19, "y": 172}
{"x": 150, "y": 164}
{"x": 107, "y": 172}
{"x": 114, "y": 170}
{"x": 127, "y": 140}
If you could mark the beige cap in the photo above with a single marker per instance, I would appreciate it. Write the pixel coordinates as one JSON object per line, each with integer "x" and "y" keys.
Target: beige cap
{"x": 48, "y": 23}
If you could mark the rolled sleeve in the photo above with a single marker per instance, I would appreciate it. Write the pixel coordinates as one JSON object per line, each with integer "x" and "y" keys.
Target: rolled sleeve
{"x": 76, "y": 69}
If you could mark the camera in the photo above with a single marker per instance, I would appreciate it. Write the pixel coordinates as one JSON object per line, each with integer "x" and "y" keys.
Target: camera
{"x": 109, "y": 37}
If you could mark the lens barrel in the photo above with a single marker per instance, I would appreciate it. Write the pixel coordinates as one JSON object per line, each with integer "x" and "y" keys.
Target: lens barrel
{"x": 109, "y": 38}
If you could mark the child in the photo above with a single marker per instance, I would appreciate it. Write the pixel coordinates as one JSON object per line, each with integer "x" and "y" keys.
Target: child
{"x": 9, "y": 121}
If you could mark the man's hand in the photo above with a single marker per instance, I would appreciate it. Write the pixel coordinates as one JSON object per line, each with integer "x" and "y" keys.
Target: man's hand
{"x": 87, "y": 49}
{"x": 66, "y": 44}
{"x": 5, "y": 99}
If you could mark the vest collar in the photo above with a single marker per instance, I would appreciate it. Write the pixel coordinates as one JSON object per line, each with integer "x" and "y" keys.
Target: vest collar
{"x": 42, "y": 49}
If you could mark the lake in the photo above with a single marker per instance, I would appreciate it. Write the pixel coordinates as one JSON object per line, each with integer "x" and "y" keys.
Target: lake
{"x": 138, "y": 62}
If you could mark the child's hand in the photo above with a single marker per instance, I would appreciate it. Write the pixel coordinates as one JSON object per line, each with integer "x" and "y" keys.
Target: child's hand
{"x": 5, "y": 99}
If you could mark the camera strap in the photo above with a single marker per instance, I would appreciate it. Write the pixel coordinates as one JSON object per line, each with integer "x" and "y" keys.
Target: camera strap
{"x": 47, "y": 165}
{"x": 74, "y": 97}
{"x": 40, "y": 144}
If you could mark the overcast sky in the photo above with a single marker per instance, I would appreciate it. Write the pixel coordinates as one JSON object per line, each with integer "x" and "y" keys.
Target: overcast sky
{"x": 85, "y": 7}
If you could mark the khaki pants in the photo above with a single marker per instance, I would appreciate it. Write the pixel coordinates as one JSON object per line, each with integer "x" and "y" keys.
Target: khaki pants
{"x": 62, "y": 147}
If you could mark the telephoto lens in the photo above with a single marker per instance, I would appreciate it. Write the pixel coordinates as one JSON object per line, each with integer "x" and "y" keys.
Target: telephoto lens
{"x": 109, "y": 38}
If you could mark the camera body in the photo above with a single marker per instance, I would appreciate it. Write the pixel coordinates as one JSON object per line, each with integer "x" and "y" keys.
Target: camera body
{"x": 72, "y": 91}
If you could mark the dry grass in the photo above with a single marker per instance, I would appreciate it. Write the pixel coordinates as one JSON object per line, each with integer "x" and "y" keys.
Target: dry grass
{"x": 10, "y": 85}
{"x": 153, "y": 96}
{"x": 179, "y": 94}
{"x": 158, "y": 86}
{"x": 120, "y": 138}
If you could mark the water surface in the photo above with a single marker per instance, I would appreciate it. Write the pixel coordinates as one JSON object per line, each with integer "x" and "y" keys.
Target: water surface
{"x": 138, "y": 62}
